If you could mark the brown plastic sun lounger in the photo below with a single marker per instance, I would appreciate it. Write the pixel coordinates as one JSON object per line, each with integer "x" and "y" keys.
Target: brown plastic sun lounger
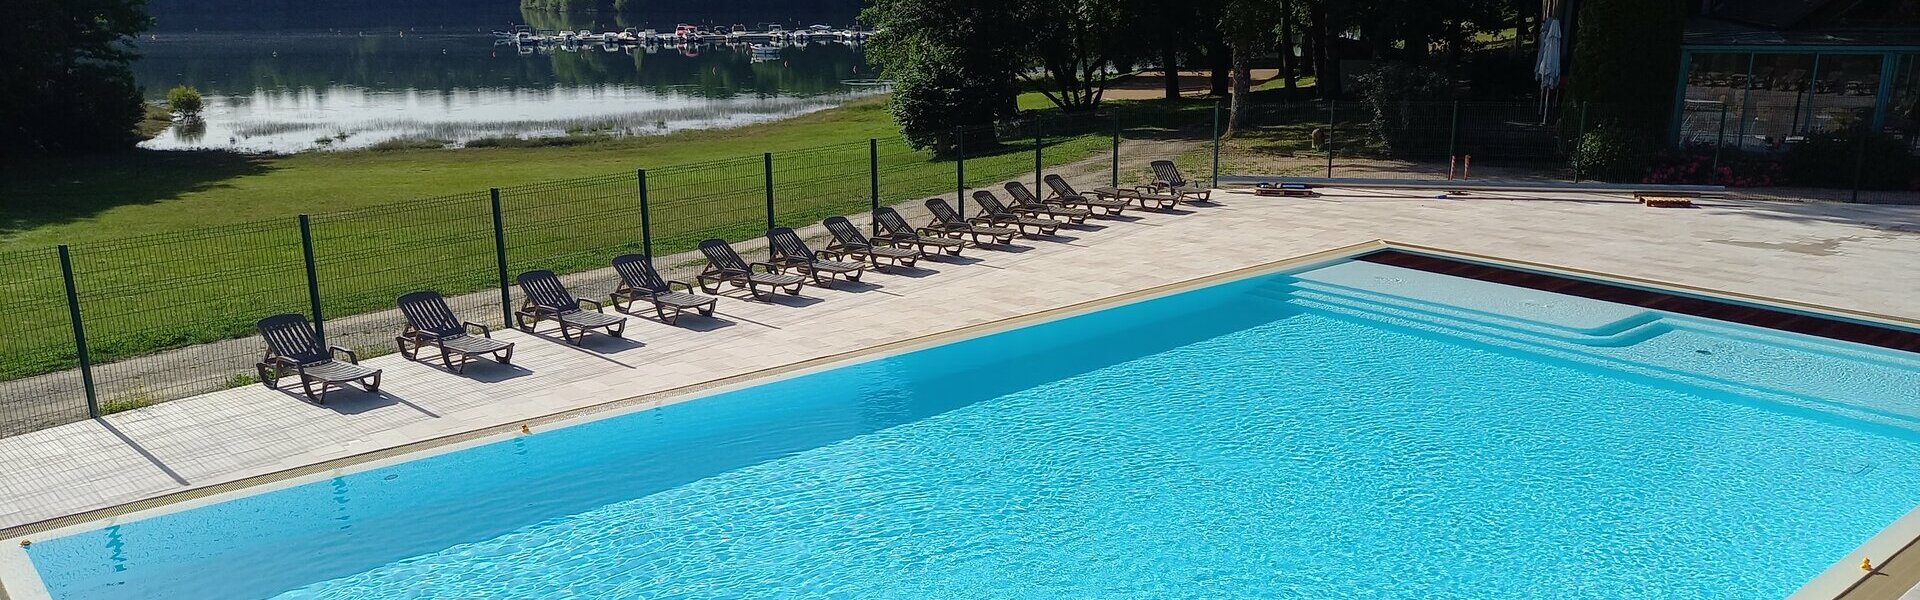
{"x": 848, "y": 242}
{"x": 996, "y": 213}
{"x": 946, "y": 221}
{"x": 1167, "y": 179}
{"x": 1025, "y": 202}
{"x": 547, "y": 300}
{"x": 639, "y": 281}
{"x": 292, "y": 345}
{"x": 725, "y": 266}
{"x": 432, "y": 324}
{"x": 1144, "y": 195}
{"x": 895, "y": 230}
{"x": 788, "y": 252}
{"x": 1063, "y": 194}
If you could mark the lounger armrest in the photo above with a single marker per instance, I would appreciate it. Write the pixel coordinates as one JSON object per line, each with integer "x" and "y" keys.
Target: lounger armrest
{"x": 988, "y": 221}
{"x": 597, "y": 306}
{"x": 683, "y": 285}
{"x": 484, "y": 330}
{"x": 351, "y": 356}
{"x": 769, "y": 267}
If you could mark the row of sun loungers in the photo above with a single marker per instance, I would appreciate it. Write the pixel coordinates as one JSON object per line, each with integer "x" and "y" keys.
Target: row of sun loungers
{"x": 293, "y": 346}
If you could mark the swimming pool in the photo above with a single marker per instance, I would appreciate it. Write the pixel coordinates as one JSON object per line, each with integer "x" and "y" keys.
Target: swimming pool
{"x": 1345, "y": 429}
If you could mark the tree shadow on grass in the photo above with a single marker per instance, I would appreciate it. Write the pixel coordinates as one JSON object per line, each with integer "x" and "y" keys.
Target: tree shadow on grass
{"x": 51, "y": 190}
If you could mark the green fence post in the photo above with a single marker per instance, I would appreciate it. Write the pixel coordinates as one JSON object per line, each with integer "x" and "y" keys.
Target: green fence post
{"x": 767, "y": 160}
{"x": 313, "y": 278}
{"x": 1331, "y": 126}
{"x": 960, "y": 170}
{"x": 646, "y": 215}
{"x": 1036, "y": 156}
{"x": 1216, "y": 143}
{"x": 1453, "y": 132}
{"x": 79, "y": 333}
{"x": 1719, "y": 140}
{"x": 873, "y": 181}
{"x": 1116, "y": 151}
{"x": 500, "y": 259}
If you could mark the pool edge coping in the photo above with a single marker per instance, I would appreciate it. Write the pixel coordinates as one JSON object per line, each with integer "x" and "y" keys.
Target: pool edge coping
{"x": 1836, "y": 581}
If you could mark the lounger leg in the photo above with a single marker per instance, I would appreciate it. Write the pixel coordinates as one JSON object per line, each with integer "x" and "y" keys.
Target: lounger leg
{"x": 661, "y": 309}
{"x": 306, "y": 386}
{"x": 618, "y": 330}
{"x": 373, "y": 387}
{"x": 504, "y": 357}
{"x": 401, "y": 341}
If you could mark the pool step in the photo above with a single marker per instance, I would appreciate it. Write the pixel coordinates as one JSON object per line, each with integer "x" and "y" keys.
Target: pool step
{"x": 1625, "y": 332}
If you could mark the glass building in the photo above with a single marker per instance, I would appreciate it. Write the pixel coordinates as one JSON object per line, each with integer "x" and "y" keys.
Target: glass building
{"x": 1760, "y": 74}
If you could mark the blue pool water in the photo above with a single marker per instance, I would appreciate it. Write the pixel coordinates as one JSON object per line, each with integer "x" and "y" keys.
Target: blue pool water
{"x": 1358, "y": 430}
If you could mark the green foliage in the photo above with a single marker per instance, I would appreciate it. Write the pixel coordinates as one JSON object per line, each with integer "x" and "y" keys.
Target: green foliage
{"x": 1832, "y": 158}
{"x": 1627, "y": 60}
{"x": 68, "y": 86}
{"x": 1391, "y": 91}
{"x": 185, "y": 99}
{"x": 1612, "y": 153}
{"x": 953, "y": 63}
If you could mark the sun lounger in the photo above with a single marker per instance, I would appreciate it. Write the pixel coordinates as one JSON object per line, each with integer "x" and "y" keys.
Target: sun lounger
{"x": 547, "y": 300}
{"x": 1025, "y": 202}
{"x": 788, "y": 252}
{"x": 996, "y": 213}
{"x": 639, "y": 281}
{"x": 292, "y": 345}
{"x": 1064, "y": 195}
{"x": 895, "y": 230}
{"x": 850, "y": 243}
{"x": 1167, "y": 178}
{"x": 432, "y": 324}
{"x": 725, "y": 266}
{"x": 947, "y": 221}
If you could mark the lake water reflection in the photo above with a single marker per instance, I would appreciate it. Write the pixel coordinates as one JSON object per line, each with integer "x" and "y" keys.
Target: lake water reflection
{"x": 302, "y": 90}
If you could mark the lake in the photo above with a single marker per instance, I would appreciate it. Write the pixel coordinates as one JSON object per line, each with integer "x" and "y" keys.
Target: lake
{"x": 356, "y": 78}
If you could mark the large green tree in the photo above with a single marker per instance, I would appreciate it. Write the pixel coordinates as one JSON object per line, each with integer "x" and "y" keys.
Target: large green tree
{"x": 953, "y": 64}
{"x": 1626, "y": 61}
{"x": 1073, "y": 46}
{"x": 65, "y": 85}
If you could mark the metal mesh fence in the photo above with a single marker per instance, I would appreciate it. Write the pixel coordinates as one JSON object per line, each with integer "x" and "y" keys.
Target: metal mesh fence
{"x": 367, "y": 258}
{"x": 575, "y": 226}
{"x": 39, "y": 380}
{"x": 162, "y": 312}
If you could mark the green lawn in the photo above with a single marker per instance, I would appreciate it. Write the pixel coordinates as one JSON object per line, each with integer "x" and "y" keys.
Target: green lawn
{"x": 172, "y": 249}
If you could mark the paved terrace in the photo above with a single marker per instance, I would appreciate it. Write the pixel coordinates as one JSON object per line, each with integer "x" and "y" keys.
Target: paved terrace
{"x": 1860, "y": 258}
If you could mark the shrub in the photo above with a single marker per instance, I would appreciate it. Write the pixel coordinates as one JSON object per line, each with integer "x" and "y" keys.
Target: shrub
{"x": 186, "y": 101}
{"x": 1611, "y": 153}
{"x": 1830, "y": 159}
{"x": 1396, "y": 93}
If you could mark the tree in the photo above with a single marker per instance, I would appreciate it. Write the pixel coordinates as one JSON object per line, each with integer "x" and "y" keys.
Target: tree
{"x": 1626, "y": 58}
{"x": 65, "y": 84}
{"x": 185, "y": 100}
{"x": 953, "y": 64}
{"x": 1076, "y": 43}
{"x": 1249, "y": 27}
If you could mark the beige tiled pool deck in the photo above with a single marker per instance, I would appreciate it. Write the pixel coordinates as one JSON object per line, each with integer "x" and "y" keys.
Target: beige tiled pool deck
{"x": 1848, "y": 257}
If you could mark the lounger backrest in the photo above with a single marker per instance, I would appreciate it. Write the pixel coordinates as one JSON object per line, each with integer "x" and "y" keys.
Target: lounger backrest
{"x": 722, "y": 257}
{"x": 1059, "y": 186}
{"x": 844, "y": 232}
{"x": 544, "y": 290}
{"x": 1165, "y": 172}
{"x": 989, "y": 203}
{"x": 636, "y": 270}
{"x": 784, "y": 243}
{"x": 427, "y": 311}
{"x": 1021, "y": 195}
{"x": 944, "y": 212}
{"x": 895, "y": 225}
{"x": 289, "y": 336}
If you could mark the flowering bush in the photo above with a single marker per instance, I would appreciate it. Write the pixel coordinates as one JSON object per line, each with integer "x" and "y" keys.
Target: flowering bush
{"x": 1694, "y": 164}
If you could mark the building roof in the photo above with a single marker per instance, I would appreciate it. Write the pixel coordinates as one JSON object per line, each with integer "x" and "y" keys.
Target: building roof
{"x": 1716, "y": 32}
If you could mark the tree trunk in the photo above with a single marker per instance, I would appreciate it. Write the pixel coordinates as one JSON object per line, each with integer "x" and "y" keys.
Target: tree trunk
{"x": 1242, "y": 86}
{"x": 1324, "y": 65}
{"x": 1286, "y": 47}
{"x": 1170, "y": 66}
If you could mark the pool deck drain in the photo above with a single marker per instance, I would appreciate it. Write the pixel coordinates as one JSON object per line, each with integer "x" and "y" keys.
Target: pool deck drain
{"x": 235, "y": 435}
